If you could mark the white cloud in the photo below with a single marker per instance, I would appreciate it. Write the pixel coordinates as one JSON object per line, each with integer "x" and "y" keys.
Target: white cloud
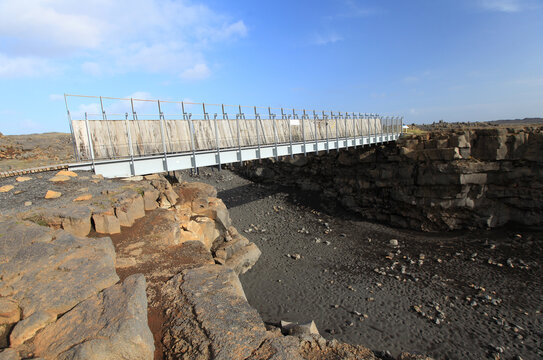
{"x": 113, "y": 107}
{"x": 199, "y": 71}
{"x": 56, "y": 97}
{"x": 411, "y": 79}
{"x": 91, "y": 68}
{"x": 108, "y": 37}
{"x": 25, "y": 66}
{"x": 326, "y": 39}
{"x": 508, "y": 6}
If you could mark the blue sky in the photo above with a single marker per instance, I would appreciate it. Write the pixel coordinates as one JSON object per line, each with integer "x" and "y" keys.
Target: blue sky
{"x": 456, "y": 60}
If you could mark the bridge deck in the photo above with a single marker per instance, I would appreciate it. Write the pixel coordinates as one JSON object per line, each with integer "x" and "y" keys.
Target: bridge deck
{"x": 115, "y": 144}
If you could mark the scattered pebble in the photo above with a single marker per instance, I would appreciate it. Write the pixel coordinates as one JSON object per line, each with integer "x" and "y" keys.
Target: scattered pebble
{"x": 6, "y": 188}
{"x": 52, "y": 194}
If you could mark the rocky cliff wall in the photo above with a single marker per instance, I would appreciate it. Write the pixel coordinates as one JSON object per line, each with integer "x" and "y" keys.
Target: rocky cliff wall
{"x": 479, "y": 178}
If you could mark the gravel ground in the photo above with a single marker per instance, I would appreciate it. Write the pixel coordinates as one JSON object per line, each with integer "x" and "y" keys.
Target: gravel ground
{"x": 34, "y": 190}
{"x": 462, "y": 295}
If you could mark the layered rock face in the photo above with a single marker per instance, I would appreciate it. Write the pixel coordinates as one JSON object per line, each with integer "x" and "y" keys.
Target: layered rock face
{"x": 437, "y": 181}
{"x": 59, "y": 298}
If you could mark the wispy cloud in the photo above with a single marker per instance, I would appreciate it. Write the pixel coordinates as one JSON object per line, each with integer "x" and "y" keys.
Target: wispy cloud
{"x": 25, "y": 66}
{"x": 507, "y": 6}
{"x": 425, "y": 75}
{"x": 56, "y": 97}
{"x": 411, "y": 79}
{"x": 325, "y": 39}
{"x": 199, "y": 71}
{"x": 93, "y": 108}
{"x": 105, "y": 37}
{"x": 353, "y": 9}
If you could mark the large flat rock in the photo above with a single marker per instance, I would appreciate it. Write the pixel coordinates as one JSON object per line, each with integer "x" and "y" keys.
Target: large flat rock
{"x": 210, "y": 317}
{"x": 110, "y": 325}
{"x": 52, "y": 271}
{"x": 17, "y": 235}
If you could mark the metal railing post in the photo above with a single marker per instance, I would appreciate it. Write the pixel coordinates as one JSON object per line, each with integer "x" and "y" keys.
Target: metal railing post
{"x": 315, "y": 119}
{"x": 238, "y": 118}
{"x": 382, "y": 129}
{"x": 91, "y": 148}
{"x": 104, "y": 118}
{"x": 287, "y": 118}
{"x": 354, "y": 130}
{"x": 272, "y": 116}
{"x": 346, "y": 132}
{"x": 76, "y": 153}
{"x": 326, "y": 127}
{"x": 188, "y": 118}
{"x": 337, "y": 129}
{"x": 164, "y": 149}
{"x": 217, "y": 141}
{"x": 367, "y": 120}
{"x": 225, "y": 117}
{"x": 257, "y": 118}
{"x": 129, "y": 133}
{"x": 303, "y": 132}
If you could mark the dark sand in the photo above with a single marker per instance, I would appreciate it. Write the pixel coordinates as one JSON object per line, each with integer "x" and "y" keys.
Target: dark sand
{"x": 483, "y": 287}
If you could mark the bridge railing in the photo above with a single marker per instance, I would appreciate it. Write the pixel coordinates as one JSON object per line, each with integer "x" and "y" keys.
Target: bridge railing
{"x": 112, "y": 128}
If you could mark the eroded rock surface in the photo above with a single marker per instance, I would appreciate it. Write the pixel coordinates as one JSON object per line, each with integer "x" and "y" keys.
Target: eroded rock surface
{"x": 114, "y": 327}
{"x": 210, "y": 316}
{"x": 479, "y": 178}
{"x": 54, "y": 271}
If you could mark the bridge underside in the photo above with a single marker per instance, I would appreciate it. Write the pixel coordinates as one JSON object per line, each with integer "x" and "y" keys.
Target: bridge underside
{"x": 132, "y": 166}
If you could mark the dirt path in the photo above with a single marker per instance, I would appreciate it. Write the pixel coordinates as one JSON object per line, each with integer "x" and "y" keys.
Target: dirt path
{"x": 452, "y": 296}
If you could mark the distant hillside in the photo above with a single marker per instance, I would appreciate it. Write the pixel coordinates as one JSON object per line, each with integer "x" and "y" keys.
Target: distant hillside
{"x": 525, "y": 121}
{"x": 443, "y": 125}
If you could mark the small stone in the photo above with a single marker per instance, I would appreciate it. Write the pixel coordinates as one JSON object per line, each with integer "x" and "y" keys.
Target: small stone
{"x": 335, "y": 306}
{"x": 60, "y": 178}
{"x": 66, "y": 173}
{"x": 23, "y": 178}
{"x": 52, "y": 194}
{"x": 9, "y": 311}
{"x": 327, "y": 242}
{"x": 6, "y": 188}
{"x": 9, "y": 354}
{"x": 28, "y": 203}
{"x": 83, "y": 197}
{"x": 133, "y": 178}
{"x": 318, "y": 240}
{"x": 393, "y": 242}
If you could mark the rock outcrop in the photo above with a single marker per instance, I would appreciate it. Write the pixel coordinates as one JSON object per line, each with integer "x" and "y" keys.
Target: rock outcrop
{"x": 59, "y": 297}
{"x": 436, "y": 181}
{"x": 115, "y": 327}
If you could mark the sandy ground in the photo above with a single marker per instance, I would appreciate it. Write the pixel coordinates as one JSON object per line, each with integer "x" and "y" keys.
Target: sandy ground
{"x": 463, "y": 295}
{"x": 35, "y": 150}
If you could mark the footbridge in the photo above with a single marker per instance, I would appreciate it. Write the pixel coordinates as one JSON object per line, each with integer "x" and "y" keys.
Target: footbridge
{"x": 121, "y": 137}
